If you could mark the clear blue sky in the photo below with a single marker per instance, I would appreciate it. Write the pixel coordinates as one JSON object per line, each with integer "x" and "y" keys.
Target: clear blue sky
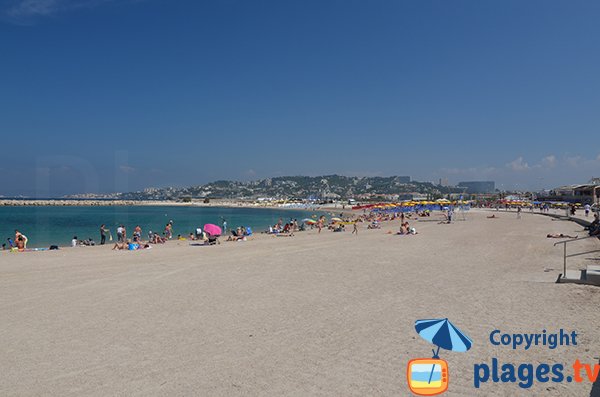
{"x": 101, "y": 95}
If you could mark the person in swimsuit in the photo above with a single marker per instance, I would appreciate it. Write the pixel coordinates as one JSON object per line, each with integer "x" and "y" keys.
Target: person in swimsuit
{"x": 18, "y": 235}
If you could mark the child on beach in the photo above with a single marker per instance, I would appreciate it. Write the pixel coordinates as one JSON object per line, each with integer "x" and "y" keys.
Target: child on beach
{"x": 137, "y": 234}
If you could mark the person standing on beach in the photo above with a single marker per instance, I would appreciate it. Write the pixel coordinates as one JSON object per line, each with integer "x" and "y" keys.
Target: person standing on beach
{"x": 20, "y": 235}
{"x": 587, "y": 210}
{"x": 103, "y": 231}
{"x": 224, "y": 226}
{"x": 137, "y": 234}
{"x": 120, "y": 231}
{"x": 355, "y": 229}
{"x": 519, "y": 212}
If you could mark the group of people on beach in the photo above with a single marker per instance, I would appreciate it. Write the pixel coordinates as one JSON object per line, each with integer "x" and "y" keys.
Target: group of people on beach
{"x": 19, "y": 243}
{"x": 373, "y": 219}
{"x": 240, "y": 233}
{"x": 285, "y": 229}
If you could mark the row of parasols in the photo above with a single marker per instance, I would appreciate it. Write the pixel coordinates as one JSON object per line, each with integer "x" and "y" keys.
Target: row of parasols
{"x": 411, "y": 206}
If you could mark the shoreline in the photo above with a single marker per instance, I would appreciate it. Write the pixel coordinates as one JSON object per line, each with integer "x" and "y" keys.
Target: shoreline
{"x": 44, "y": 242}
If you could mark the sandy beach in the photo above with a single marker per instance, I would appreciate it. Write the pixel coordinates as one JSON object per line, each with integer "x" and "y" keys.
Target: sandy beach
{"x": 310, "y": 315}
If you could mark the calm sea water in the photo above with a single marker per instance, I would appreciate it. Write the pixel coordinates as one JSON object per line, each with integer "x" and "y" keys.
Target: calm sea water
{"x": 44, "y": 226}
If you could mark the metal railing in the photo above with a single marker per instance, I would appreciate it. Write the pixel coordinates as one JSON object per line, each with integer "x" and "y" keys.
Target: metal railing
{"x": 565, "y": 256}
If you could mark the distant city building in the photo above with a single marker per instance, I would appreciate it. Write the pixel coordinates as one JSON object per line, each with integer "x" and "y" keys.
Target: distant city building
{"x": 478, "y": 187}
{"x": 587, "y": 194}
{"x": 584, "y": 194}
{"x": 443, "y": 182}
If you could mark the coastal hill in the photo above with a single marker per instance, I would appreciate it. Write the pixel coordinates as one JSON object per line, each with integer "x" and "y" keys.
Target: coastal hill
{"x": 288, "y": 187}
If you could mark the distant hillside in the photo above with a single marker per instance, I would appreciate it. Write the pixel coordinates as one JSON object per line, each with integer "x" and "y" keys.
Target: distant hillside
{"x": 299, "y": 187}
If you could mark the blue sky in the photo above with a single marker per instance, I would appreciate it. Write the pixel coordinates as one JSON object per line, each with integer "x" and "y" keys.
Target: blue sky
{"x": 108, "y": 95}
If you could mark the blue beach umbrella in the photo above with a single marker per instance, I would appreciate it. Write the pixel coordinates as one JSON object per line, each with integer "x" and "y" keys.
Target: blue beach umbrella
{"x": 442, "y": 333}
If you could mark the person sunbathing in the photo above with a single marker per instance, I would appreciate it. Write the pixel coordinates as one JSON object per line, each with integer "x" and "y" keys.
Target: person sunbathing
{"x": 157, "y": 239}
{"x": 236, "y": 235}
{"x": 374, "y": 225}
{"x": 559, "y": 235}
{"x": 283, "y": 234}
{"x": 120, "y": 246}
{"x": 493, "y": 217}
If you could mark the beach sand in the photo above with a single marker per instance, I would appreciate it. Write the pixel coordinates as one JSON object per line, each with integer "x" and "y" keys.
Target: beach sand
{"x": 324, "y": 315}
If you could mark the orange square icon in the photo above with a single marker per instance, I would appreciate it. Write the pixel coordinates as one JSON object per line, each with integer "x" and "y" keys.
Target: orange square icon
{"x": 427, "y": 376}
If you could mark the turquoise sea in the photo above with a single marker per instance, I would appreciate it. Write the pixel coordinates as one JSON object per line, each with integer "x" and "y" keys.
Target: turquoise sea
{"x": 47, "y": 225}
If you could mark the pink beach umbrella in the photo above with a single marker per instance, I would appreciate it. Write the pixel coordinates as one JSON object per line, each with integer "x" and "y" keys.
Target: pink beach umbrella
{"x": 213, "y": 230}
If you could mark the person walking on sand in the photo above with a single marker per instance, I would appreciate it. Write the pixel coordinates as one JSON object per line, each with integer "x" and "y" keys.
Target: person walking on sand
{"x": 587, "y": 210}
{"x": 519, "y": 212}
{"x": 103, "y": 231}
{"x": 355, "y": 229}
